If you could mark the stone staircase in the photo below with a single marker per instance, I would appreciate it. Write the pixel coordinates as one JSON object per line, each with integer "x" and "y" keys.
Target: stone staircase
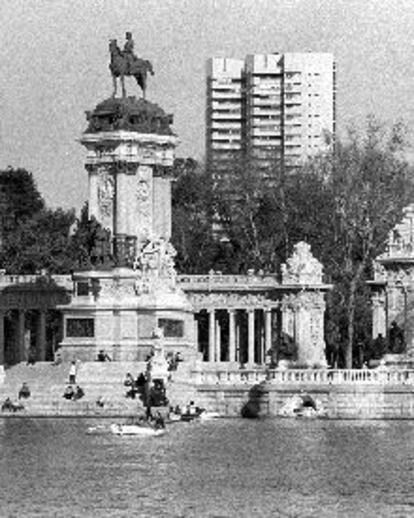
{"x": 103, "y": 381}
{"x": 100, "y": 381}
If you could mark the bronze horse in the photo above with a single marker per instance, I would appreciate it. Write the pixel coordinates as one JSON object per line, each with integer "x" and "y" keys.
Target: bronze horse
{"x": 120, "y": 67}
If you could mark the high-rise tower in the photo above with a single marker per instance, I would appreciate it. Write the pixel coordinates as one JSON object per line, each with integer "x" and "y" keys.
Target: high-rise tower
{"x": 279, "y": 107}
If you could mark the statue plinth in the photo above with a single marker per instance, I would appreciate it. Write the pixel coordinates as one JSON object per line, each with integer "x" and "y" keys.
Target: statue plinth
{"x": 130, "y": 155}
{"x": 157, "y": 366}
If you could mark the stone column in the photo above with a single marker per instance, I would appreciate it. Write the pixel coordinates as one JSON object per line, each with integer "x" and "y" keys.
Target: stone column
{"x": 195, "y": 332}
{"x": 211, "y": 335}
{"x": 41, "y": 336}
{"x": 250, "y": 345}
{"x": 218, "y": 341}
{"x": 93, "y": 206}
{"x": 232, "y": 335}
{"x": 121, "y": 221}
{"x": 268, "y": 331}
{"x": 21, "y": 335}
{"x": 238, "y": 356}
{"x": 379, "y": 325}
{"x": 1, "y": 338}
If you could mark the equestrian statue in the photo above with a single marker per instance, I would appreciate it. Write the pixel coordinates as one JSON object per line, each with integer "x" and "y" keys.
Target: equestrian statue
{"x": 126, "y": 63}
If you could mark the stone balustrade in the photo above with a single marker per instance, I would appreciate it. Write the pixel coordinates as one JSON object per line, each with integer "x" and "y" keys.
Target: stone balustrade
{"x": 230, "y": 377}
{"x": 306, "y": 376}
{"x": 218, "y": 280}
{"x": 65, "y": 281}
{"x": 341, "y": 376}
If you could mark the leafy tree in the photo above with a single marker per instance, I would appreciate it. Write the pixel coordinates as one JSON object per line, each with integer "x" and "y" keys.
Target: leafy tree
{"x": 192, "y": 218}
{"x": 343, "y": 204}
{"x": 368, "y": 185}
{"x": 19, "y": 197}
{"x": 39, "y": 242}
{"x": 33, "y": 237}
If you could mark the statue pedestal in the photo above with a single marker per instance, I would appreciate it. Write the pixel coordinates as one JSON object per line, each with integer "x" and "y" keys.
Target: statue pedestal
{"x": 157, "y": 366}
{"x": 130, "y": 147}
{"x": 107, "y": 313}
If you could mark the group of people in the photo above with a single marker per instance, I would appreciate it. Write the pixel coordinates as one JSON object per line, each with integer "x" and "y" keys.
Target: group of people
{"x": 9, "y": 406}
{"x": 73, "y": 393}
{"x": 134, "y": 386}
{"x": 173, "y": 361}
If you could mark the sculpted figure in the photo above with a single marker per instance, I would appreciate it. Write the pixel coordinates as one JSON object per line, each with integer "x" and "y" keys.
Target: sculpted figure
{"x": 125, "y": 63}
{"x": 129, "y": 51}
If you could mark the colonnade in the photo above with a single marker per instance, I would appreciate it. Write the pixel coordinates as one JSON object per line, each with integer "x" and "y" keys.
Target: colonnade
{"x": 22, "y": 324}
{"x": 236, "y": 335}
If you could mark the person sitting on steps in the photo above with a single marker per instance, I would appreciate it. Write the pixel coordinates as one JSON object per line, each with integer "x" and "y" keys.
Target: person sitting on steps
{"x": 103, "y": 356}
{"x": 79, "y": 393}
{"x": 69, "y": 392}
{"x": 24, "y": 391}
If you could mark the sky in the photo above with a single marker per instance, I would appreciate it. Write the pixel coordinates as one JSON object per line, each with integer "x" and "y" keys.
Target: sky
{"x": 54, "y": 66}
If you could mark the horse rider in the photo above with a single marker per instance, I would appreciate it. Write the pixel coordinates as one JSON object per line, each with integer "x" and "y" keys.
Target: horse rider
{"x": 129, "y": 50}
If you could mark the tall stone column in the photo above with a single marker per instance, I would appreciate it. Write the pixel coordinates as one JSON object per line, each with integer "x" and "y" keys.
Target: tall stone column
{"x": 21, "y": 318}
{"x": 232, "y": 335}
{"x": 218, "y": 342}
{"x": 93, "y": 203}
{"x": 211, "y": 335}
{"x": 238, "y": 352}
{"x": 379, "y": 324}
{"x": 121, "y": 219}
{"x": 1, "y": 338}
{"x": 195, "y": 333}
{"x": 250, "y": 344}
{"x": 41, "y": 336}
{"x": 268, "y": 331}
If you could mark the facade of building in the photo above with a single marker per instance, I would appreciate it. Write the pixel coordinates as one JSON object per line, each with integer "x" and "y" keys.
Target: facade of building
{"x": 269, "y": 109}
{"x": 224, "y": 111}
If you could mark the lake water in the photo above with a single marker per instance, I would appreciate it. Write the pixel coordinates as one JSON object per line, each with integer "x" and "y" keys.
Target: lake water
{"x": 223, "y": 468}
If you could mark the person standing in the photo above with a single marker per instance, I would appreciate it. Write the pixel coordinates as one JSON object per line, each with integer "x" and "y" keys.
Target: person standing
{"x": 72, "y": 372}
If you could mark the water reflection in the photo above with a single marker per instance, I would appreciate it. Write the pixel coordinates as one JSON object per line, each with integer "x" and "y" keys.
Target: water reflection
{"x": 224, "y": 468}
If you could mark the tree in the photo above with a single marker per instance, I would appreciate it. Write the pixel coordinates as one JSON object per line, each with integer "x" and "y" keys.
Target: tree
{"x": 192, "y": 218}
{"x": 33, "y": 237}
{"x": 343, "y": 204}
{"x": 40, "y": 242}
{"x": 368, "y": 184}
{"x": 20, "y": 198}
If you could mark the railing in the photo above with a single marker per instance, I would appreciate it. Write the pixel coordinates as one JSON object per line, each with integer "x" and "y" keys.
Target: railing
{"x": 64, "y": 281}
{"x": 218, "y": 280}
{"x": 218, "y": 377}
{"x": 306, "y": 376}
{"x": 342, "y": 376}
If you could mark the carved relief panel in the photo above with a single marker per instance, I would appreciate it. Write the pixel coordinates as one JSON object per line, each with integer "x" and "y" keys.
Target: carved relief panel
{"x": 105, "y": 195}
{"x": 144, "y": 196}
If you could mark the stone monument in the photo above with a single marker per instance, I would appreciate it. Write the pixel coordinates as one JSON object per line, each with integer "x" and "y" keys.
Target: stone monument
{"x": 157, "y": 366}
{"x": 393, "y": 292}
{"x": 303, "y": 309}
{"x": 130, "y": 152}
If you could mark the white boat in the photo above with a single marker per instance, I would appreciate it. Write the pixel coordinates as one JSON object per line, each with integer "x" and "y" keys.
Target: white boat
{"x": 135, "y": 429}
{"x": 98, "y": 430}
{"x": 208, "y": 416}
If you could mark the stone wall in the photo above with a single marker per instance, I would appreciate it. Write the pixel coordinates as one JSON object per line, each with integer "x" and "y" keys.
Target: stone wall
{"x": 341, "y": 402}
